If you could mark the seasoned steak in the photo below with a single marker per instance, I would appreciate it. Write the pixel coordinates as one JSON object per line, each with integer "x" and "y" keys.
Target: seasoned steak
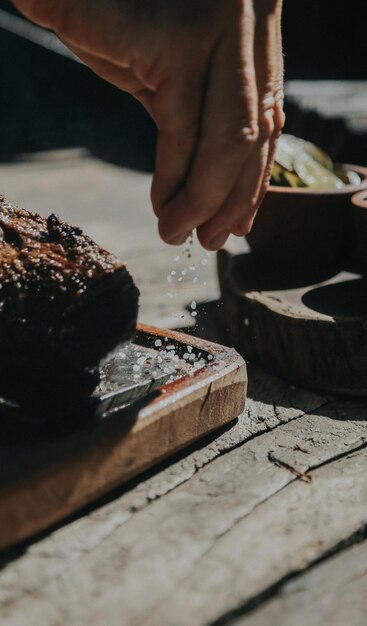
{"x": 65, "y": 304}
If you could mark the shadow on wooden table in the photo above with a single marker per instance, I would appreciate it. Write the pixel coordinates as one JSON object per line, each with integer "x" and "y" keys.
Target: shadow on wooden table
{"x": 13, "y": 553}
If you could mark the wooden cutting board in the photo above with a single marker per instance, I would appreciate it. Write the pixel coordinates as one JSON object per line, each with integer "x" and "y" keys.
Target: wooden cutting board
{"x": 46, "y": 475}
{"x": 308, "y": 326}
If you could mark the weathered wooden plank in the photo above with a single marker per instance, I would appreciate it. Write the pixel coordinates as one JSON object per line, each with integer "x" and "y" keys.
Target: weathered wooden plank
{"x": 280, "y": 403}
{"x": 334, "y": 592}
{"x": 346, "y": 99}
{"x": 282, "y": 536}
{"x": 145, "y": 561}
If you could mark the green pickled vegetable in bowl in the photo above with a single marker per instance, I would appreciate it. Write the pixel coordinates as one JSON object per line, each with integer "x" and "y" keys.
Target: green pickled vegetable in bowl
{"x": 299, "y": 163}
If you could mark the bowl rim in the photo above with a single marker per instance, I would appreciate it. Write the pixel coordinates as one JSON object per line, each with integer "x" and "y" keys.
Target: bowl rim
{"x": 347, "y": 189}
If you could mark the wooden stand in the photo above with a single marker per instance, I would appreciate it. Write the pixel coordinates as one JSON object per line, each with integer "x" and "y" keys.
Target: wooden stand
{"x": 43, "y": 481}
{"x": 309, "y": 327}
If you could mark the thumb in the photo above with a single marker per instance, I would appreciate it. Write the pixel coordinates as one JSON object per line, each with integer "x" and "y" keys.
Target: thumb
{"x": 177, "y": 110}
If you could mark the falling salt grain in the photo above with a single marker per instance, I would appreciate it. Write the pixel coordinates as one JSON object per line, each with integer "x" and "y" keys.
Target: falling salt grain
{"x": 192, "y": 268}
{"x": 157, "y": 343}
{"x": 194, "y": 313}
{"x": 204, "y": 261}
{"x": 193, "y": 304}
{"x": 180, "y": 279}
{"x": 210, "y": 357}
{"x": 177, "y": 258}
{"x": 189, "y": 349}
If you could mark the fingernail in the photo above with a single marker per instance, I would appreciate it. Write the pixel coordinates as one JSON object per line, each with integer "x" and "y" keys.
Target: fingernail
{"x": 177, "y": 240}
{"x": 219, "y": 240}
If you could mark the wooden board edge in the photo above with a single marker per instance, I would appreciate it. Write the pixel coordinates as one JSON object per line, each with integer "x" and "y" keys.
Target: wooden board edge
{"x": 114, "y": 454}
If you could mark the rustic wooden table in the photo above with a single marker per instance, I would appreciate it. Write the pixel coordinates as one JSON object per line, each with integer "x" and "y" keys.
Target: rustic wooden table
{"x": 218, "y": 535}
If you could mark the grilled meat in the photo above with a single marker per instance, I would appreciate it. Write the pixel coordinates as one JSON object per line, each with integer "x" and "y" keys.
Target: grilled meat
{"x": 65, "y": 303}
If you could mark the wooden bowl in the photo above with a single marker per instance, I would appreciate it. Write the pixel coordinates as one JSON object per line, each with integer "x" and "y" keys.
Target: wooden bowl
{"x": 306, "y": 228}
{"x": 359, "y": 202}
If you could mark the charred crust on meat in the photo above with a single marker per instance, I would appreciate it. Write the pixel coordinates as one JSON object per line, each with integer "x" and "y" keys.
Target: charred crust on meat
{"x": 65, "y": 304}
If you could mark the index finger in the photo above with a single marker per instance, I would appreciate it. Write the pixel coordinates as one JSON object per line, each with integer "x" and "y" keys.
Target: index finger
{"x": 228, "y": 133}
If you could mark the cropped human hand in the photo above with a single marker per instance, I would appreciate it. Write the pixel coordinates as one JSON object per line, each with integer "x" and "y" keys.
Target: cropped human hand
{"x": 210, "y": 73}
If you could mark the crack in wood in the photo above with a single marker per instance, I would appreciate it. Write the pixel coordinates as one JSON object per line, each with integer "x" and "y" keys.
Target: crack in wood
{"x": 207, "y": 396}
{"x": 356, "y": 537}
{"x": 250, "y": 606}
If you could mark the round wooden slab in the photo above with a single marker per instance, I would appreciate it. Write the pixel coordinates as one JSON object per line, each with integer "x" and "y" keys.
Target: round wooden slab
{"x": 309, "y": 327}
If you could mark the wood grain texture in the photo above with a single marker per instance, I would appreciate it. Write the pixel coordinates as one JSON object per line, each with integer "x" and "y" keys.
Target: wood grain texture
{"x": 54, "y": 481}
{"x": 285, "y": 534}
{"x": 146, "y": 564}
{"x": 334, "y": 592}
{"x": 126, "y": 560}
{"x": 308, "y": 327}
{"x": 280, "y": 403}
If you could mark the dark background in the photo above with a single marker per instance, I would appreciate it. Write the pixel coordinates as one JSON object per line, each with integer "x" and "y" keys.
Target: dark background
{"x": 48, "y": 101}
